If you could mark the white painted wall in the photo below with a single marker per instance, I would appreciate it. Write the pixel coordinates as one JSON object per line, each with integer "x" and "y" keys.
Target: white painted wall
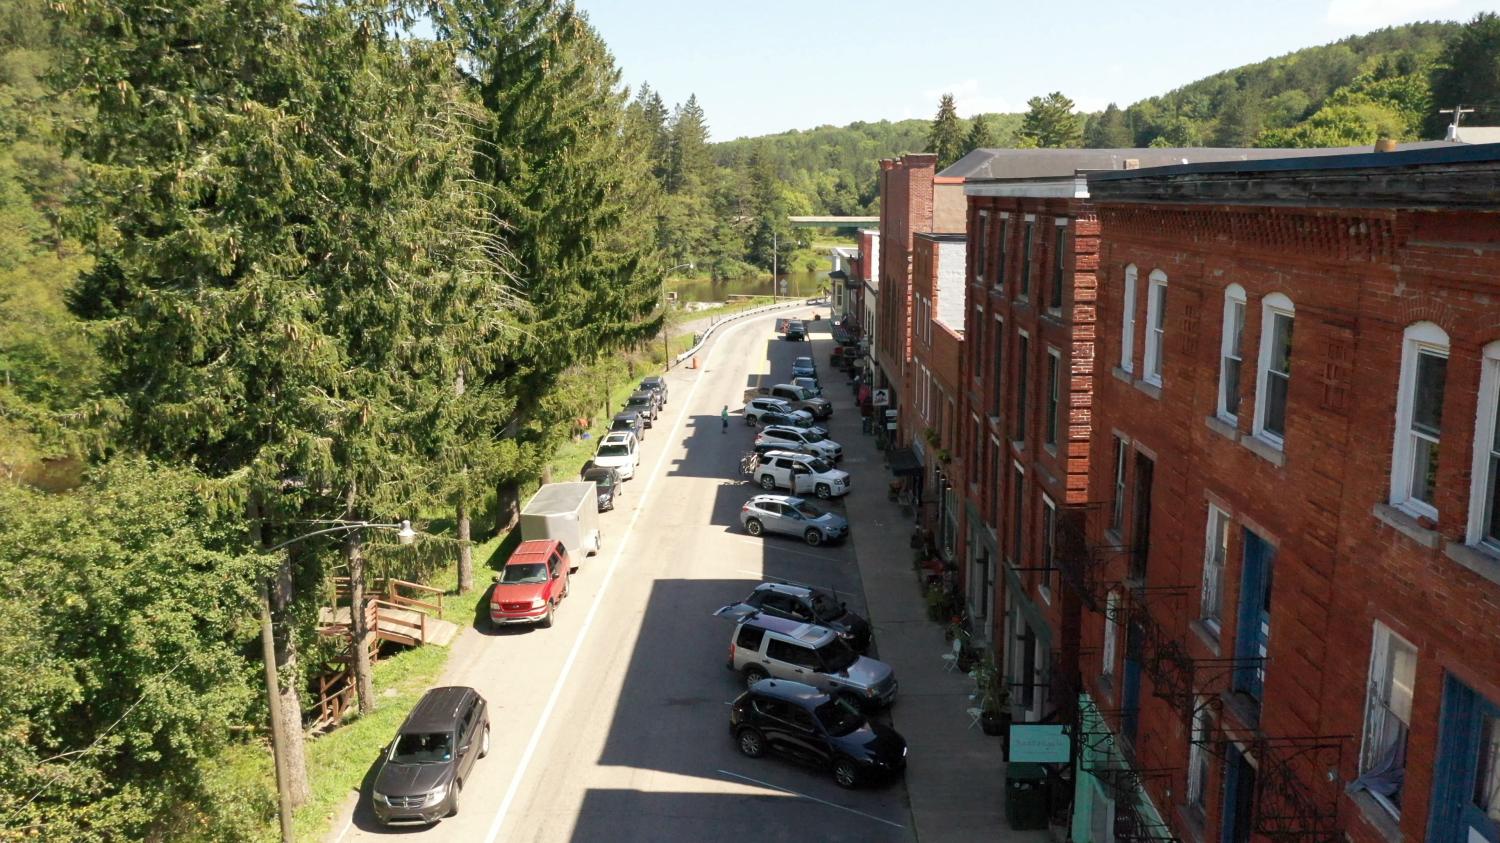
{"x": 951, "y": 290}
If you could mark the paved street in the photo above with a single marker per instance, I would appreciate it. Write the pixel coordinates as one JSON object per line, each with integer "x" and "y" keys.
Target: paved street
{"x": 613, "y": 724}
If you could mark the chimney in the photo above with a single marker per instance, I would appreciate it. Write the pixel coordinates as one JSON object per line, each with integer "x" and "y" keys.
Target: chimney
{"x": 1385, "y": 145}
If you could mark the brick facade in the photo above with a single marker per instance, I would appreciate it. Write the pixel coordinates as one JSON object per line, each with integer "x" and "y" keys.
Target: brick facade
{"x": 930, "y": 418}
{"x": 1309, "y": 499}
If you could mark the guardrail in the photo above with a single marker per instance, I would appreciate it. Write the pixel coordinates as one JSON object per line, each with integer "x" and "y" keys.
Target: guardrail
{"x": 703, "y": 338}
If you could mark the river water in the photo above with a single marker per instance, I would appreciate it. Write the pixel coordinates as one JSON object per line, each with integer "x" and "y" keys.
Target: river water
{"x": 795, "y": 284}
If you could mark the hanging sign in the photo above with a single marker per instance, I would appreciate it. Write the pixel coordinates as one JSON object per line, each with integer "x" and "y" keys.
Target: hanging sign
{"x": 1042, "y": 743}
{"x": 881, "y": 398}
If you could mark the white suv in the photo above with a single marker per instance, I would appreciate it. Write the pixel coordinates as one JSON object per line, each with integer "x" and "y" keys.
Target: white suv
{"x": 619, "y": 451}
{"x": 756, "y": 407}
{"x": 801, "y": 473}
{"x": 792, "y": 439}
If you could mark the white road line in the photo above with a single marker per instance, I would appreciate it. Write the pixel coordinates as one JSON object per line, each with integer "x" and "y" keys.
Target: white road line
{"x": 348, "y": 825}
{"x": 819, "y": 556}
{"x": 588, "y": 621}
{"x": 813, "y": 799}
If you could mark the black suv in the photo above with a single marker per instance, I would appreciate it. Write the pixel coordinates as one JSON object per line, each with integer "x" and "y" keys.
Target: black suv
{"x": 643, "y": 402}
{"x": 809, "y": 726}
{"x": 422, "y": 771}
{"x": 629, "y": 421}
{"x": 606, "y": 484}
{"x": 803, "y": 603}
{"x": 658, "y": 385}
{"x": 796, "y": 331}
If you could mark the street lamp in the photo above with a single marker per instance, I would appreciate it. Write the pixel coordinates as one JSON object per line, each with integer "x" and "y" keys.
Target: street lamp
{"x": 666, "y": 348}
{"x": 406, "y": 535}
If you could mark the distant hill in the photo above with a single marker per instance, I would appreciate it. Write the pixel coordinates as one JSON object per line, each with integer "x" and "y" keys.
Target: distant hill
{"x": 1344, "y": 93}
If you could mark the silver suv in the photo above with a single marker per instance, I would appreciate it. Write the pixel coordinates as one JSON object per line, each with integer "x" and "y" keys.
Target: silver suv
{"x": 791, "y": 439}
{"x": 764, "y": 646}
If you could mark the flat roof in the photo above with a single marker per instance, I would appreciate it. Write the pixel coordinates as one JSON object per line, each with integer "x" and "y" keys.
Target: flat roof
{"x": 940, "y": 237}
{"x": 1341, "y": 159}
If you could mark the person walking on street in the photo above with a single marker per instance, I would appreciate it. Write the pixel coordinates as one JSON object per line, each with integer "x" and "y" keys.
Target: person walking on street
{"x": 724, "y": 417}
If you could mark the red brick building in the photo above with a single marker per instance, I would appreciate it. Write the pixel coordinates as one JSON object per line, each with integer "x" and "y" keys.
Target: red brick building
{"x": 930, "y": 416}
{"x": 1290, "y": 573}
{"x": 913, "y": 199}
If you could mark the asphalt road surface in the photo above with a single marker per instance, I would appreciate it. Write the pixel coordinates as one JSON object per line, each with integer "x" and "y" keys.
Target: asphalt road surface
{"x": 613, "y": 725}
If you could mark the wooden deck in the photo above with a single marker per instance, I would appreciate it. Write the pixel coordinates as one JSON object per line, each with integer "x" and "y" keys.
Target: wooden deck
{"x": 390, "y": 622}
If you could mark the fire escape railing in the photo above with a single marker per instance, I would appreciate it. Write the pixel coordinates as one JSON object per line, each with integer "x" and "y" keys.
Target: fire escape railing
{"x": 1291, "y": 800}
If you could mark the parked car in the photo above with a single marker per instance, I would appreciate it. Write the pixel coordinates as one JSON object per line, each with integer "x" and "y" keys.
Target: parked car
{"x": 795, "y": 331}
{"x": 658, "y": 385}
{"x": 607, "y": 484}
{"x": 791, "y": 439}
{"x": 755, "y": 408}
{"x": 777, "y": 648}
{"x": 798, "y": 419}
{"x": 629, "y": 421}
{"x": 792, "y": 516}
{"x": 810, "y": 384}
{"x": 803, "y": 603}
{"x": 619, "y": 451}
{"x": 798, "y": 720}
{"x": 803, "y": 367}
{"x": 799, "y": 474}
{"x": 422, "y": 771}
{"x": 532, "y": 584}
{"x": 800, "y": 398}
{"x": 643, "y": 402}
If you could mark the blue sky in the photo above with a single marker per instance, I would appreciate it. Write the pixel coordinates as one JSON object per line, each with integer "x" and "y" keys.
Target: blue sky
{"x": 765, "y": 66}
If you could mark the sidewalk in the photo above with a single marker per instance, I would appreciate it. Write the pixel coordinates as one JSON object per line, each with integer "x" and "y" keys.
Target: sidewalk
{"x": 955, "y": 774}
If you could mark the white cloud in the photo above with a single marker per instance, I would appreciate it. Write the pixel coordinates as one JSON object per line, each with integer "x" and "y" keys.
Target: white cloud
{"x": 967, "y": 99}
{"x": 1370, "y": 14}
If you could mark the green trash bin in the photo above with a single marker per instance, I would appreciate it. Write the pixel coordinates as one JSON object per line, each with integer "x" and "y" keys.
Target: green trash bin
{"x": 1026, "y": 796}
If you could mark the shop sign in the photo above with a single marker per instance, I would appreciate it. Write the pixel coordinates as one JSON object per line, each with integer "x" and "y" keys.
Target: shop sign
{"x": 881, "y": 398}
{"x": 1041, "y": 743}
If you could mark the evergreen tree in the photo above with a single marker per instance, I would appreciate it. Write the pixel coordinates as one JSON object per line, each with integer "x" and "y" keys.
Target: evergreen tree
{"x": 946, "y": 137}
{"x": 1240, "y": 120}
{"x": 1108, "y": 130}
{"x": 689, "y": 160}
{"x": 981, "y": 134}
{"x": 1468, "y": 73}
{"x": 1050, "y": 122}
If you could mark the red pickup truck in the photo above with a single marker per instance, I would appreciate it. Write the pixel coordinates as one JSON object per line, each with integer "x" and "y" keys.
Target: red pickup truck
{"x": 534, "y": 581}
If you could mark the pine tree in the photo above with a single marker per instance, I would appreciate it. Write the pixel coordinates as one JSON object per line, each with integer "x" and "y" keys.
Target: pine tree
{"x": 946, "y": 137}
{"x": 689, "y": 160}
{"x": 1050, "y": 122}
{"x": 1108, "y": 130}
{"x": 1468, "y": 74}
{"x": 981, "y": 134}
{"x": 1240, "y": 120}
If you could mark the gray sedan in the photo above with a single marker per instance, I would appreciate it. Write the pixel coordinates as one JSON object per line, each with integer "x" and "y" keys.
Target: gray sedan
{"x": 793, "y": 516}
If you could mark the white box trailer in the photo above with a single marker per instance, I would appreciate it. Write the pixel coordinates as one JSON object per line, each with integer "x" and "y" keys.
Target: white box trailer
{"x": 567, "y": 512}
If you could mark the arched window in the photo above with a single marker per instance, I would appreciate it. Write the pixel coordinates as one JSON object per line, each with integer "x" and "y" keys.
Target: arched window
{"x": 1419, "y": 419}
{"x": 1484, "y": 497}
{"x": 1230, "y": 356}
{"x": 1156, "y": 326}
{"x": 1275, "y": 377}
{"x": 1127, "y": 322}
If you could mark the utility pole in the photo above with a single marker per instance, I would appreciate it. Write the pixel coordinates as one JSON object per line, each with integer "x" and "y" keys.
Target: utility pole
{"x": 278, "y": 728}
{"x": 775, "y": 280}
{"x": 1458, "y": 111}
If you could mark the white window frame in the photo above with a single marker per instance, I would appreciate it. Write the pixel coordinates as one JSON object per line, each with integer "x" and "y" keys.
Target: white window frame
{"x": 1028, "y": 253}
{"x": 1215, "y": 560}
{"x": 976, "y": 337}
{"x": 997, "y": 364}
{"x": 981, "y": 259}
{"x": 1002, "y": 253}
{"x": 1058, "y": 278}
{"x": 1418, "y": 338}
{"x": 1484, "y": 439}
{"x": 1049, "y": 547}
{"x": 1231, "y": 347}
{"x": 1017, "y": 510}
{"x": 1376, "y": 710}
{"x": 1272, "y": 306}
{"x": 1127, "y": 321}
{"x": 1023, "y": 385}
{"x": 1156, "y": 327}
{"x": 1117, "y": 511}
{"x": 1054, "y": 398}
{"x": 1111, "y": 639}
{"x": 1198, "y": 766}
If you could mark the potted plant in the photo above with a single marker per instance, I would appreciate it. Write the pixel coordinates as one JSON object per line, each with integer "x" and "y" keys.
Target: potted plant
{"x": 994, "y": 697}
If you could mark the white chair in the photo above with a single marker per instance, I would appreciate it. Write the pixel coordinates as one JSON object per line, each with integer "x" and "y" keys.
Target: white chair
{"x": 974, "y": 715}
{"x": 951, "y": 658}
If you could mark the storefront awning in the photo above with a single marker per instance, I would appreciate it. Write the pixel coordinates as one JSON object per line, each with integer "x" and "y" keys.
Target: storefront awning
{"x": 904, "y": 463}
